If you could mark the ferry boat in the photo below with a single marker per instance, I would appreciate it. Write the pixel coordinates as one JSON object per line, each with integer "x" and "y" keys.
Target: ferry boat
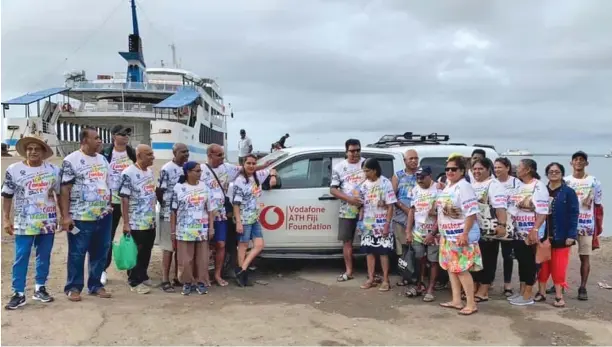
{"x": 517, "y": 152}
{"x": 162, "y": 106}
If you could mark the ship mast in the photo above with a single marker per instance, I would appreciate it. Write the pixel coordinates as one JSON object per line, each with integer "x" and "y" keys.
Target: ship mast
{"x": 134, "y": 57}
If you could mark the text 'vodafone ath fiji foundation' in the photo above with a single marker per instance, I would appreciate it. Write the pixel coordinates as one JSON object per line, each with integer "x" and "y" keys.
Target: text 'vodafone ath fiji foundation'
{"x": 295, "y": 217}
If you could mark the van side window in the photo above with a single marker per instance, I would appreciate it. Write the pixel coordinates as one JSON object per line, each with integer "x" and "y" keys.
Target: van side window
{"x": 386, "y": 163}
{"x": 437, "y": 165}
{"x": 302, "y": 173}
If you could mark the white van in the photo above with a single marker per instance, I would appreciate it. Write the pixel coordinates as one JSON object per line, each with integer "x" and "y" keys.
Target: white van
{"x": 300, "y": 218}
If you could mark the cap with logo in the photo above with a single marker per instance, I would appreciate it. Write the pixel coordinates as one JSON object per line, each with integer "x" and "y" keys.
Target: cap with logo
{"x": 121, "y": 130}
{"x": 423, "y": 171}
{"x": 580, "y": 154}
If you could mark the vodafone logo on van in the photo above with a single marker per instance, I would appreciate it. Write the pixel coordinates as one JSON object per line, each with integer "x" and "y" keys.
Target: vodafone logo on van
{"x": 271, "y": 217}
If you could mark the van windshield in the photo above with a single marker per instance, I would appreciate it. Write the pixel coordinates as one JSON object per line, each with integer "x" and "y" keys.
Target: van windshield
{"x": 272, "y": 157}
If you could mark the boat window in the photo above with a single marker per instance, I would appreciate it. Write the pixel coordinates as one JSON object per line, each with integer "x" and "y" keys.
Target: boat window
{"x": 302, "y": 173}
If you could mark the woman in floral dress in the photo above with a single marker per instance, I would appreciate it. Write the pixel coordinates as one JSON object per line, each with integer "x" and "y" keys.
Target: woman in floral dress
{"x": 459, "y": 252}
{"x": 378, "y": 198}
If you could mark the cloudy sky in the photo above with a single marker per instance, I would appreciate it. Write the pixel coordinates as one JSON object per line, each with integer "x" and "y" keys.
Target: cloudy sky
{"x": 517, "y": 74}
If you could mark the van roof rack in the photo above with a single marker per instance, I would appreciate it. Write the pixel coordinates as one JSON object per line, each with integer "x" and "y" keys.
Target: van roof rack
{"x": 408, "y": 138}
{"x": 485, "y": 146}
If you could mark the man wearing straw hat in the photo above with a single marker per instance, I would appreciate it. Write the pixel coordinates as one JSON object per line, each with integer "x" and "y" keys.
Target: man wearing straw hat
{"x": 32, "y": 184}
{"x": 86, "y": 209}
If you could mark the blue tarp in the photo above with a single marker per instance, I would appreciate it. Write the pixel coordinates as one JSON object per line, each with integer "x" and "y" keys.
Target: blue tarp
{"x": 33, "y": 97}
{"x": 183, "y": 97}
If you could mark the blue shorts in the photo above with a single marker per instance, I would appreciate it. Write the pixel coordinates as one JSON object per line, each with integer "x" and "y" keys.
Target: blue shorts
{"x": 251, "y": 231}
{"x": 220, "y": 231}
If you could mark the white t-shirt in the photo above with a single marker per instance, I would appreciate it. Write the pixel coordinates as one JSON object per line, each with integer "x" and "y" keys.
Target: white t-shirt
{"x": 119, "y": 162}
{"x": 226, "y": 173}
{"x": 90, "y": 178}
{"x": 460, "y": 195}
{"x": 535, "y": 192}
{"x": 348, "y": 178}
{"x": 191, "y": 205}
{"x": 32, "y": 191}
{"x": 490, "y": 192}
{"x": 376, "y": 197}
{"x": 509, "y": 185}
{"x": 423, "y": 201}
{"x": 246, "y": 194}
{"x": 139, "y": 187}
{"x": 168, "y": 178}
{"x": 243, "y": 146}
{"x": 589, "y": 193}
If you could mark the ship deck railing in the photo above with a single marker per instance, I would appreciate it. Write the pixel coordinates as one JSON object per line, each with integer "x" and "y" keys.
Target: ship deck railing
{"x": 126, "y": 86}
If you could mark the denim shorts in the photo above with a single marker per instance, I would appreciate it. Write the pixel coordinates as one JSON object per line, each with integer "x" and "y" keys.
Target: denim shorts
{"x": 251, "y": 231}
{"x": 220, "y": 230}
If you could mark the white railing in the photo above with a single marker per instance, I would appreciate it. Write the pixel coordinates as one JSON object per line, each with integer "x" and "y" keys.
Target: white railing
{"x": 116, "y": 107}
{"x": 131, "y": 86}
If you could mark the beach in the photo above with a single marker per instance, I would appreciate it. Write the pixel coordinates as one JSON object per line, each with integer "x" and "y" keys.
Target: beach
{"x": 298, "y": 303}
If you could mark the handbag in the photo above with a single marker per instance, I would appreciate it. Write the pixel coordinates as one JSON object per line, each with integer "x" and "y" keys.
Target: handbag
{"x": 226, "y": 202}
{"x": 543, "y": 251}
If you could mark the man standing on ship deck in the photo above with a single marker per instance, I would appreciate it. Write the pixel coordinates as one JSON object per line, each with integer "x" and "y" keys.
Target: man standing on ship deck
{"x": 168, "y": 178}
{"x": 245, "y": 146}
{"x": 85, "y": 204}
{"x": 590, "y": 196}
{"x": 119, "y": 155}
{"x": 138, "y": 200}
{"x": 347, "y": 177}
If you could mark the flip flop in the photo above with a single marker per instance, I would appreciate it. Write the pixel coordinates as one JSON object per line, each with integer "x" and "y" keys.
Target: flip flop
{"x": 221, "y": 283}
{"x": 539, "y": 298}
{"x": 344, "y": 277}
{"x": 429, "y": 297}
{"x": 467, "y": 313}
{"x": 508, "y": 292}
{"x": 384, "y": 287}
{"x": 559, "y": 303}
{"x": 402, "y": 283}
{"x": 480, "y": 299}
{"x": 449, "y": 304}
{"x": 368, "y": 285}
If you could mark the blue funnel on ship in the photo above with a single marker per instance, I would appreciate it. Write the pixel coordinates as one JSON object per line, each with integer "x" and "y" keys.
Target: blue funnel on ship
{"x": 134, "y": 56}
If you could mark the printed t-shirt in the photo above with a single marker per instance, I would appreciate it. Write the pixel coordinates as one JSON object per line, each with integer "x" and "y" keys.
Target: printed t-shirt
{"x": 139, "y": 187}
{"x": 406, "y": 183}
{"x": 589, "y": 193}
{"x": 348, "y": 177}
{"x": 90, "y": 194}
{"x": 460, "y": 195}
{"x": 376, "y": 197}
{"x": 119, "y": 162}
{"x": 246, "y": 193}
{"x": 31, "y": 189}
{"x": 226, "y": 173}
{"x": 191, "y": 205}
{"x": 423, "y": 201}
{"x": 168, "y": 177}
{"x": 535, "y": 192}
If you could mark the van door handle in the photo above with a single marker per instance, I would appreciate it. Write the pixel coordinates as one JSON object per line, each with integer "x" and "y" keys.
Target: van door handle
{"x": 327, "y": 197}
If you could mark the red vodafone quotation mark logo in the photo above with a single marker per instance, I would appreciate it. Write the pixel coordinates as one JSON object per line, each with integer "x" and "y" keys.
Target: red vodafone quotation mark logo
{"x": 264, "y": 220}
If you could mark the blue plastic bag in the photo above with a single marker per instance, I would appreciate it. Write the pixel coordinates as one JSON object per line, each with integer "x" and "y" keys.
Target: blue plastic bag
{"x": 125, "y": 253}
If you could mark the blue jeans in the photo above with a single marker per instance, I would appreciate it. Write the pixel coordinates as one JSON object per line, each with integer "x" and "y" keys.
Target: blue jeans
{"x": 250, "y": 232}
{"x": 23, "y": 247}
{"x": 94, "y": 238}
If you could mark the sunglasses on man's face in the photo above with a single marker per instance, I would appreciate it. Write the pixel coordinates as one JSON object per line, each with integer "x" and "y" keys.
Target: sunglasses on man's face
{"x": 451, "y": 169}
{"x": 354, "y": 150}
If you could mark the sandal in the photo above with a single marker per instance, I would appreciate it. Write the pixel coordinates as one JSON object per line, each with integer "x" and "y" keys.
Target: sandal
{"x": 559, "y": 302}
{"x": 368, "y": 285}
{"x": 402, "y": 283}
{"x": 384, "y": 287}
{"x": 344, "y": 277}
{"x": 539, "y": 298}
{"x": 429, "y": 297}
{"x": 412, "y": 292}
{"x": 467, "y": 312}
{"x": 167, "y": 287}
{"x": 450, "y": 304}
{"x": 479, "y": 299}
{"x": 221, "y": 282}
{"x": 508, "y": 292}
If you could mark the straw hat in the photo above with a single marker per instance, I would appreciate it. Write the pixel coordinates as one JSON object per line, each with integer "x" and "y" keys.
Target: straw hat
{"x": 23, "y": 143}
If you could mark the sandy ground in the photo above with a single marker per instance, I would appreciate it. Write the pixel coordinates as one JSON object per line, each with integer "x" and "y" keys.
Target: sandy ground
{"x": 302, "y": 304}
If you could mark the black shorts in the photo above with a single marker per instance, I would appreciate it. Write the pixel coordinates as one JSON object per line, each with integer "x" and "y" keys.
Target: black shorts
{"x": 346, "y": 229}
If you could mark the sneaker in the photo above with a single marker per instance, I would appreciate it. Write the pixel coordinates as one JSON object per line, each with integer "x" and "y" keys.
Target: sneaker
{"x": 202, "y": 289}
{"x": 240, "y": 277}
{"x": 186, "y": 289}
{"x": 582, "y": 294}
{"x": 141, "y": 289}
{"x": 17, "y": 300}
{"x": 73, "y": 295}
{"x": 103, "y": 278}
{"x": 42, "y": 295}
{"x": 148, "y": 283}
{"x": 520, "y": 301}
{"x": 513, "y": 296}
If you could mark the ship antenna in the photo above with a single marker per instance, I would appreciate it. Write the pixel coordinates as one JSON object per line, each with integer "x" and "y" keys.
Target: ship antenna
{"x": 134, "y": 56}
{"x": 173, "y": 48}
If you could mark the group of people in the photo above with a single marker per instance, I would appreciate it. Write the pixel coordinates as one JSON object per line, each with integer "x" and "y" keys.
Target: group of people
{"x": 458, "y": 221}
{"x": 96, "y": 188}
